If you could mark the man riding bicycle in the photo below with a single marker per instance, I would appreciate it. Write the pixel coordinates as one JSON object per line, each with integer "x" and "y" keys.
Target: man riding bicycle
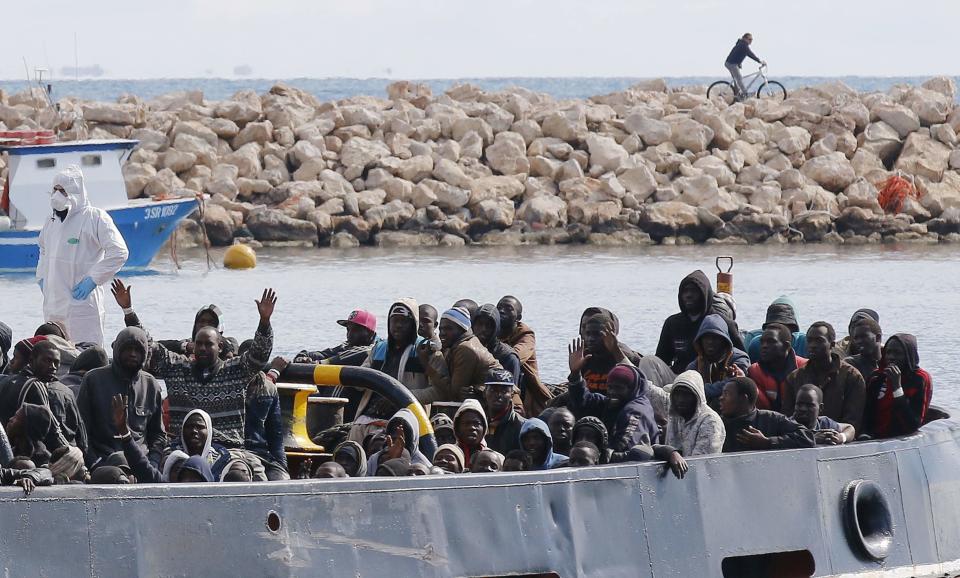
{"x": 734, "y": 62}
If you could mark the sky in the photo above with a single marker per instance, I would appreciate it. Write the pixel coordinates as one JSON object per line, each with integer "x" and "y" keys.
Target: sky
{"x": 483, "y": 38}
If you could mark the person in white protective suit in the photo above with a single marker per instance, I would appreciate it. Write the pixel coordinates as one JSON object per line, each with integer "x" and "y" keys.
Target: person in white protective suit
{"x": 80, "y": 250}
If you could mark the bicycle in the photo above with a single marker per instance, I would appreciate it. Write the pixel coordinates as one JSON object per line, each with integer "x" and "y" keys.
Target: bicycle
{"x": 769, "y": 89}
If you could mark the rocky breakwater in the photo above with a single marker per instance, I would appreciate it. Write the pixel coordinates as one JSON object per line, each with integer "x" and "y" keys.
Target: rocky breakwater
{"x": 643, "y": 166}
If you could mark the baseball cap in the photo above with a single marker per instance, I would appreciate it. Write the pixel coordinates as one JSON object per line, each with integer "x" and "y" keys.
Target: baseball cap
{"x": 361, "y": 318}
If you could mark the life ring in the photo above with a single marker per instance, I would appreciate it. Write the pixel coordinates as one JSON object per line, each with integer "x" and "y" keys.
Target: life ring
{"x": 867, "y": 517}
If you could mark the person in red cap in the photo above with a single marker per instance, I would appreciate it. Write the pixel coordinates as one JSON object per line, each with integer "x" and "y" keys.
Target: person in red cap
{"x": 361, "y": 336}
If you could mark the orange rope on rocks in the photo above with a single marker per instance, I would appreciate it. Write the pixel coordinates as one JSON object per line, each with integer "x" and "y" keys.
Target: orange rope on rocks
{"x": 894, "y": 192}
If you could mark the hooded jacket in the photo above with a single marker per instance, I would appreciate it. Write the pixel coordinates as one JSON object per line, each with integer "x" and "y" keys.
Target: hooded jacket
{"x": 887, "y": 413}
{"x": 411, "y": 434}
{"x": 25, "y": 387}
{"x": 198, "y": 465}
{"x": 590, "y": 422}
{"x": 356, "y": 451}
{"x": 474, "y": 406}
{"x": 93, "y": 357}
{"x": 144, "y": 403}
{"x": 503, "y": 353}
{"x": 715, "y": 374}
{"x": 552, "y": 460}
{"x": 534, "y": 393}
{"x": 214, "y": 455}
{"x": 843, "y": 387}
{"x": 397, "y": 467}
{"x": 703, "y": 434}
{"x": 782, "y": 311}
{"x": 41, "y": 434}
{"x": 409, "y": 371}
{"x": 783, "y": 432}
{"x": 630, "y": 424}
{"x": 85, "y": 244}
{"x": 680, "y": 330}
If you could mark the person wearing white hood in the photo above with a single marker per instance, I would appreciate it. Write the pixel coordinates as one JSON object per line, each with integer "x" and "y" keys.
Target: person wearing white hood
{"x": 80, "y": 250}
{"x": 692, "y": 426}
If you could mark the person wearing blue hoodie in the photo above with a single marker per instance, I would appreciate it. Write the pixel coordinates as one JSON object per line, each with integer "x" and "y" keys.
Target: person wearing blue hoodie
{"x": 535, "y": 439}
{"x": 782, "y": 311}
{"x": 718, "y": 360}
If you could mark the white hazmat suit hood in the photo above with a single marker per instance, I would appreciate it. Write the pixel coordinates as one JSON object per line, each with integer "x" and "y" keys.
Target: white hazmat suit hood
{"x": 86, "y": 243}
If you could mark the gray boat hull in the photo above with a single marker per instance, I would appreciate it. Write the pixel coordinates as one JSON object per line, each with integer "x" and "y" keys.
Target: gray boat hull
{"x": 623, "y": 520}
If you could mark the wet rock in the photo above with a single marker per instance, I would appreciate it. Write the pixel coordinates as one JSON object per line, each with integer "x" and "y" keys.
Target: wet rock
{"x": 274, "y": 225}
{"x": 664, "y": 219}
{"x": 814, "y": 225}
{"x": 394, "y": 239}
{"x": 545, "y": 210}
{"x": 757, "y": 227}
{"x": 628, "y": 237}
{"x": 858, "y": 221}
{"x": 497, "y": 212}
{"x": 343, "y": 240}
{"x": 219, "y": 225}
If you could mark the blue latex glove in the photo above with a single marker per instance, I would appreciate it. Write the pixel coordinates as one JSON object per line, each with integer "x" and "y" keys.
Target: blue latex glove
{"x": 84, "y": 288}
{"x": 40, "y": 283}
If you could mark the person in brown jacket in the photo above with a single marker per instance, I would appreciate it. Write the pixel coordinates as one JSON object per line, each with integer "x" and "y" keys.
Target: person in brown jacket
{"x": 844, "y": 391}
{"x": 521, "y": 338}
{"x": 468, "y": 361}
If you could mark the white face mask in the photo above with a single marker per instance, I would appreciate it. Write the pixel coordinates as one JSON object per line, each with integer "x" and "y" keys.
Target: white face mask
{"x": 59, "y": 201}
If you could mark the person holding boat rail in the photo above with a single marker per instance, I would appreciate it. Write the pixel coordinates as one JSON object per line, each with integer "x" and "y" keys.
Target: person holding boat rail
{"x": 80, "y": 250}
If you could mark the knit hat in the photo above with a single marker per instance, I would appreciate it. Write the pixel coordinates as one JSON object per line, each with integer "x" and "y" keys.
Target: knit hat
{"x": 441, "y": 421}
{"x": 455, "y": 450}
{"x": 460, "y": 316}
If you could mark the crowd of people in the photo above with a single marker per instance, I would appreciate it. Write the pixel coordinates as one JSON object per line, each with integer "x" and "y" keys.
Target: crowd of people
{"x": 206, "y": 408}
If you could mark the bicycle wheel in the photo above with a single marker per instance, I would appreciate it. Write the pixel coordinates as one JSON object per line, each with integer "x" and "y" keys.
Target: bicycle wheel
{"x": 721, "y": 90}
{"x": 772, "y": 90}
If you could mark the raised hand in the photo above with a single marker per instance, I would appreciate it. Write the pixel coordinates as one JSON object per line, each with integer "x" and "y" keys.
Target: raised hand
{"x": 576, "y": 359}
{"x": 118, "y": 405}
{"x": 612, "y": 344}
{"x": 266, "y": 305}
{"x": 121, "y": 293}
{"x": 393, "y": 447}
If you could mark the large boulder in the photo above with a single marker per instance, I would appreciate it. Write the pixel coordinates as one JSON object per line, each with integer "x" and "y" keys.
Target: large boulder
{"x": 930, "y": 106}
{"x": 814, "y": 225}
{"x": 698, "y": 189}
{"x": 112, "y": 113}
{"x": 206, "y": 154}
{"x": 497, "y": 213}
{"x": 902, "y": 119}
{"x": 274, "y": 225}
{"x": 688, "y": 134}
{"x": 605, "y": 152}
{"x": 544, "y": 210}
{"x": 361, "y": 153}
{"x": 945, "y": 85}
{"x": 246, "y": 159}
{"x": 639, "y": 181}
{"x": 756, "y": 228}
{"x": 923, "y": 156}
{"x": 508, "y": 154}
{"x": 136, "y": 176}
{"x": 495, "y": 187}
{"x": 791, "y": 139}
{"x": 178, "y": 161}
{"x": 671, "y": 218}
{"x": 451, "y": 173}
{"x": 832, "y": 171}
{"x": 653, "y": 132}
{"x": 881, "y": 139}
{"x": 569, "y": 126}
{"x": 219, "y": 224}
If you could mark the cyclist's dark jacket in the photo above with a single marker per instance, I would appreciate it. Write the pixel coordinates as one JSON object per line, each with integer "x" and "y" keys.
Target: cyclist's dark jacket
{"x": 740, "y": 51}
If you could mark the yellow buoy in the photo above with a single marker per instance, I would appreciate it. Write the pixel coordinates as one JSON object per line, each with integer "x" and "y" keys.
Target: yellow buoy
{"x": 240, "y": 257}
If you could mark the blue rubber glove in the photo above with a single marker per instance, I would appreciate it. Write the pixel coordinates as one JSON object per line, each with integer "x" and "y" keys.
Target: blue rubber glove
{"x": 40, "y": 283}
{"x": 84, "y": 288}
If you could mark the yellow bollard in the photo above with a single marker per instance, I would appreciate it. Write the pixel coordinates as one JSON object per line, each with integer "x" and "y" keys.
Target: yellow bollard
{"x": 240, "y": 257}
